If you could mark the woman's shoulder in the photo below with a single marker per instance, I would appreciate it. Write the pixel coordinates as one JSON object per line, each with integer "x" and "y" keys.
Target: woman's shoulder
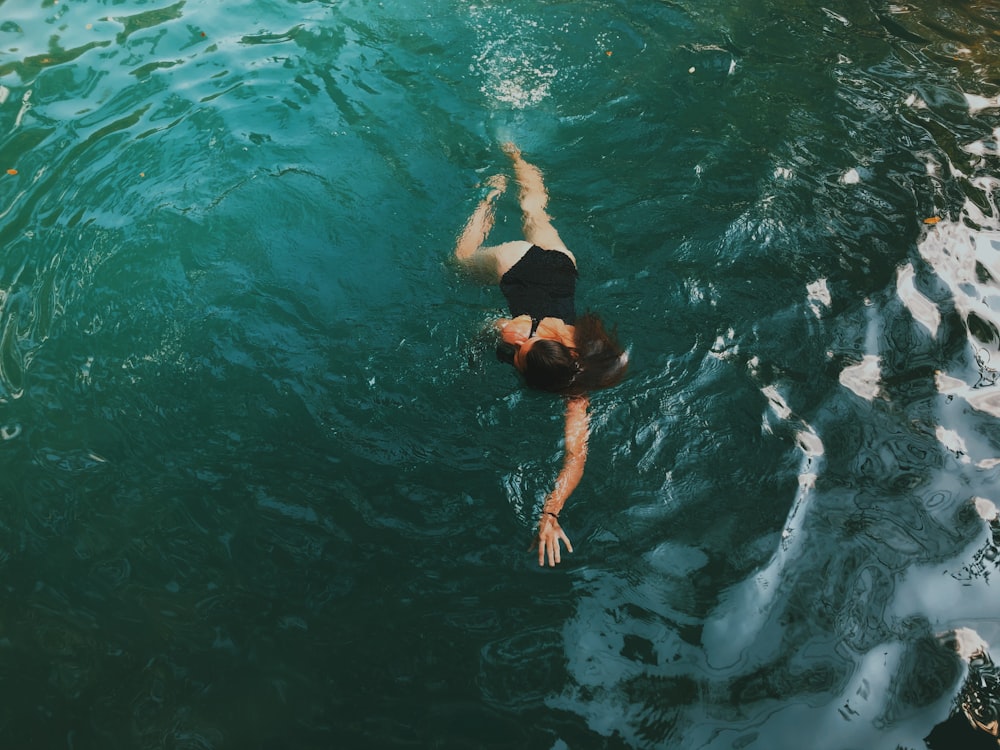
{"x": 557, "y": 329}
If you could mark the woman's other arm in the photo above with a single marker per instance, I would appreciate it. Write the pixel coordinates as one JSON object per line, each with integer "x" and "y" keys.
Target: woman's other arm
{"x": 577, "y": 432}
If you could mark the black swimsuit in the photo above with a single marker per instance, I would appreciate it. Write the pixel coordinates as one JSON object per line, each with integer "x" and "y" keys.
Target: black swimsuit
{"x": 542, "y": 284}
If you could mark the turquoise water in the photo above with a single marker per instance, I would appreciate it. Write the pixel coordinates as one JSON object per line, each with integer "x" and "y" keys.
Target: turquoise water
{"x": 264, "y": 484}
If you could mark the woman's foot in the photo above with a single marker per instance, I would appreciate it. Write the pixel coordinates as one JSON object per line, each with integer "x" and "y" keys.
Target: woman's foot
{"x": 511, "y": 150}
{"x": 497, "y": 184}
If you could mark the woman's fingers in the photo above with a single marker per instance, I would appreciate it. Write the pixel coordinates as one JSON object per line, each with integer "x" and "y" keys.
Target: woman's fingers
{"x": 549, "y": 548}
{"x": 562, "y": 535}
{"x": 549, "y": 536}
{"x": 545, "y": 544}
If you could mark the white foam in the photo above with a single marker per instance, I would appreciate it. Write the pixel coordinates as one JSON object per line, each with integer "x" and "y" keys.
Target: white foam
{"x": 514, "y": 70}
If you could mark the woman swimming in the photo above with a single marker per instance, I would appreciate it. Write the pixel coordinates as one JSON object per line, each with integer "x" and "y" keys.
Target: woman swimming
{"x": 553, "y": 349}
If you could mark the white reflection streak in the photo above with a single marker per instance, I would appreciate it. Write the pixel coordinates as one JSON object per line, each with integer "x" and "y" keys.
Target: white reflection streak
{"x": 986, "y": 400}
{"x": 25, "y": 106}
{"x": 978, "y": 103}
{"x": 863, "y": 378}
{"x": 953, "y": 251}
{"x": 953, "y": 442}
{"x": 922, "y": 309}
{"x": 968, "y": 262}
{"x": 951, "y": 598}
{"x": 743, "y": 613}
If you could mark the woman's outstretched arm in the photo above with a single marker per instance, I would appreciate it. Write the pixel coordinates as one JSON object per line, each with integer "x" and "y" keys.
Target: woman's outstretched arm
{"x": 574, "y": 458}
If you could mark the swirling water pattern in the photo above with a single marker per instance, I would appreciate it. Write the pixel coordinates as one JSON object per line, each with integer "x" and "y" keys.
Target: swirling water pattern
{"x": 263, "y": 485}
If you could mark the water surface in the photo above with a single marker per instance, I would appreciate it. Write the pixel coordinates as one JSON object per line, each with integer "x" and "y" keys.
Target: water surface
{"x": 264, "y": 484}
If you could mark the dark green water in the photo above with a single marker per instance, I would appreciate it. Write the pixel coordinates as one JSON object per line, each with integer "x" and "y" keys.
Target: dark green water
{"x": 264, "y": 485}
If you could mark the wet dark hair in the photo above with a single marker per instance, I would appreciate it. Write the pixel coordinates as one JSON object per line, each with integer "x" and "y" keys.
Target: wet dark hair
{"x": 550, "y": 366}
{"x": 600, "y": 361}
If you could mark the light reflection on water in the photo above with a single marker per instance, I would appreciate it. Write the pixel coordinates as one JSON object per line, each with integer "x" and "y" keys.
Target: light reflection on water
{"x": 867, "y": 618}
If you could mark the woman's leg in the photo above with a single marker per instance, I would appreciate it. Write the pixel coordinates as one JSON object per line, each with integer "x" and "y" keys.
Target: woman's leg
{"x": 478, "y": 227}
{"x": 538, "y": 229}
{"x": 488, "y": 263}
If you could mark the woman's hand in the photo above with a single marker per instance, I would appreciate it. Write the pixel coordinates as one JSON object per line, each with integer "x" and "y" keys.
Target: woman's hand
{"x": 549, "y": 535}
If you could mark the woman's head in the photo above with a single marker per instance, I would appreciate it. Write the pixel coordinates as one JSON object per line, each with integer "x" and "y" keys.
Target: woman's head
{"x": 548, "y": 365}
{"x": 596, "y": 360}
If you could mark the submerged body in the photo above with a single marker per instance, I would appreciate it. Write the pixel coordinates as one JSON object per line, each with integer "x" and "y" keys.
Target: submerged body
{"x": 537, "y": 276}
